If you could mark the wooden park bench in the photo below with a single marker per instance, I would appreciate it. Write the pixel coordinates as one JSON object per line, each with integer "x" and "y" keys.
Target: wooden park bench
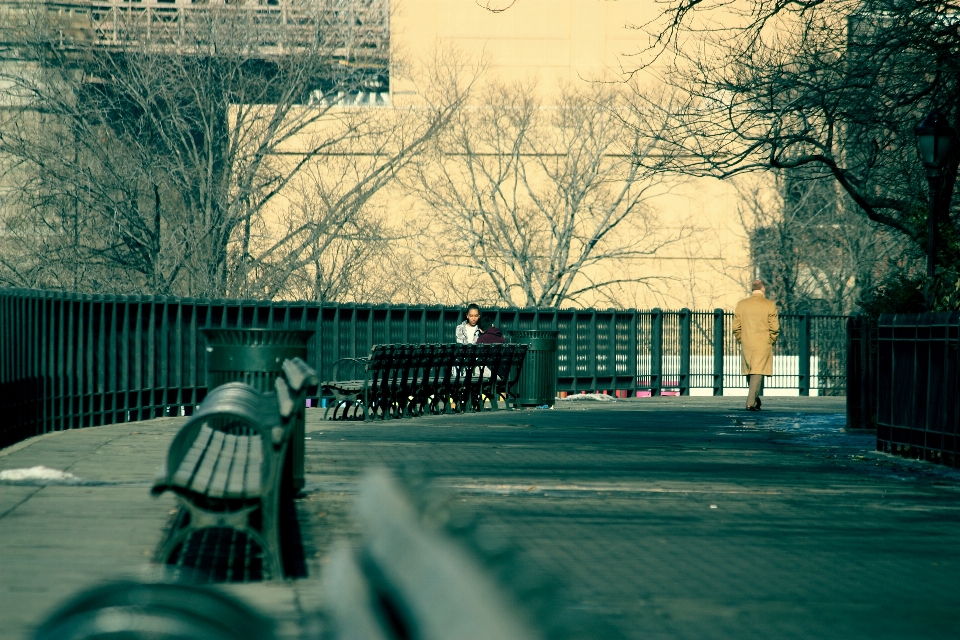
{"x": 405, "y": 380}
{"x": 227, "y": 469}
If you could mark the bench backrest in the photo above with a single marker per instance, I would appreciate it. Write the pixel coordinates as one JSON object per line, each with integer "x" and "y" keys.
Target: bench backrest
{"x": 379, "y": 368}
{"x": 512, "y": 362}
{"x": 403, "y": 367}
{"x": 441, "y": 364}
{"x": 235, "y": 443}
{"x": 234, "y": 421}
{"x": 421, "y": 359}
{"x": 391, "y": 364}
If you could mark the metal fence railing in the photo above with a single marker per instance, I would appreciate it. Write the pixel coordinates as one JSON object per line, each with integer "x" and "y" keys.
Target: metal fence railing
{"x": 912, "y": 362}
{"x": 903, "y": 376}
{"x": 74, "y": 360}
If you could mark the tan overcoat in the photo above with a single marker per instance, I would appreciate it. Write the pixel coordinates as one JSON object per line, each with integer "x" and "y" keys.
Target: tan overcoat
{"x": 756, "y": 325}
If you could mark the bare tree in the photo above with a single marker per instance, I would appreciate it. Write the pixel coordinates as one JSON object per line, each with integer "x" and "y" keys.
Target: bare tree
{"x": 543, "y": 205}
{"x": 165, "y": 142}
{"x": 835, "y": 84}
{"x": 810, "y": 245}
{"x": 337, "y": 252}
{"x": 333, "y": 235}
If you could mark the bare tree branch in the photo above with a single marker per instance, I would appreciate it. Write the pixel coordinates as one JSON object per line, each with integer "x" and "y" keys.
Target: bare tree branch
{"x": 799, "y": 84}
{"x": 156, "y": 154}
{"x": 491, "y": 9}
{"x": 537, "y": 199}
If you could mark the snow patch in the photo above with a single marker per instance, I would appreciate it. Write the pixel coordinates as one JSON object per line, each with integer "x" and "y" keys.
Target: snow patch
{"x": 598, "y": 397}
{"x": 38, "y": 475}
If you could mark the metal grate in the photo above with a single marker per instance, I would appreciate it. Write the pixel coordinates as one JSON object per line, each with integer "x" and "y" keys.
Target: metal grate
{"x": 220, "y": 554}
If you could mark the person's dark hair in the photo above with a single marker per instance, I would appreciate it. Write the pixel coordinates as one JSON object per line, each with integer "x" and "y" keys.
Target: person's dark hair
{"x": 470, "y": 307}
{"x": 757, "y": 285}
{"x": 485, "y": 323}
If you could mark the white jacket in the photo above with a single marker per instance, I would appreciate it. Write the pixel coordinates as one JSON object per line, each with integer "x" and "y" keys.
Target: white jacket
{"x": 467, "y": 334}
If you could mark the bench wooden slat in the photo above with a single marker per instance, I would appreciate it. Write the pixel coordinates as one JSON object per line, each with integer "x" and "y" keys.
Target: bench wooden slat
{"x": 202, "y": 478}
{"x": 254, "y": 463}
{"x": 225, "y": 459}
{"x": 345, "y": 385}
{"x": 239, "y": 469}
{"x": 188, "y": 466}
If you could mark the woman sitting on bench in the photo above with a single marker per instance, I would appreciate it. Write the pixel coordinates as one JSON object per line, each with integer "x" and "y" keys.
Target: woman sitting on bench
{"x": 469, "y": 330}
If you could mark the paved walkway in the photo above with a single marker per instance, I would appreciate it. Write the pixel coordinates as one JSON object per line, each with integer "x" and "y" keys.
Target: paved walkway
{"x": 664, "y": 518}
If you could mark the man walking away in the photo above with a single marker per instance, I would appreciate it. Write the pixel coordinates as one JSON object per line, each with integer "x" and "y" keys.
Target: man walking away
{"x": 756, "y": 326}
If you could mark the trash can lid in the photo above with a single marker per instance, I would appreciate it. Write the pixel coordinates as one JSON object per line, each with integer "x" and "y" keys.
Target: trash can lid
{"x": 219, "y": 337}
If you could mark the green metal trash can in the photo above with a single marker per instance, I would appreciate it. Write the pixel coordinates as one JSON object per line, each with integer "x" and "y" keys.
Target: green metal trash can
{"x": 255, "y": 356}
{"x": 538, "y": 378}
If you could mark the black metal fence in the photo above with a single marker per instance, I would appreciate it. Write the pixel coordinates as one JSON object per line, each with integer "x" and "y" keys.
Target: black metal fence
{"x": 861, "y": 373}
{"x": 76, "y": 360}
{"x": 904, "y": 380}
{"x": 917, "y": 399}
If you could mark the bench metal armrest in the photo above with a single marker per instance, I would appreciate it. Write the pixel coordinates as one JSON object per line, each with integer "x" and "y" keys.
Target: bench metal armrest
{"x": 335, "y": 369}
{"x": 299, "y": 375}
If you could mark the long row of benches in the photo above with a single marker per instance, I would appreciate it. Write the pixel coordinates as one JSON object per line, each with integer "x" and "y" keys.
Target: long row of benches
{"x": 405, "y": 380}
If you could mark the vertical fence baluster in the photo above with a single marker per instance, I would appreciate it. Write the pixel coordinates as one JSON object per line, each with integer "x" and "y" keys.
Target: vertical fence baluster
{"x": 611, "y": 351}
{"x": 656, "y": 352}
{"x": 16, "y": 429}
{"x": 101, "y": 364}
{"x": 422, "y": 331}
{"x": 592, "y": 364}
{"x": 123, "y": 382}
{"x": 853, "y": 373}
{"x": 8, "y": 359}
{"x": 339, "y": 347}
{"x": 718, "y": 352}
{"x": 323, "y": 353}
{"x": 869, "y": 386}
{"x": 38, "y": 371}
{"x": 803, "y": 347}
{"x": 64, "y": 361}
{"x": 163, "y": 357}
{"x": 86, "y": 386}
{"x": 684, "y": 380}
{"x": 137, "y": 369}
{"x": 633, "y": 352}
{"x": 179, "y": 382}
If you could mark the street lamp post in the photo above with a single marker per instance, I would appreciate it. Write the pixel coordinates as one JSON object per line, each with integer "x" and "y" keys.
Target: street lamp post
{"x": 935, "y": 141}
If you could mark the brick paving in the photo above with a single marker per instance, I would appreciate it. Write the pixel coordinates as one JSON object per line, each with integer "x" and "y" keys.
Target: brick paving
{"x": 661, "y": 518}
{"x": 813, "y": 533}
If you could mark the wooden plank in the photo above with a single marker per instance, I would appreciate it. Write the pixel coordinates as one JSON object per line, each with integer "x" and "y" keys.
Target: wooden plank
{"x": 202, "y": 478}
{"x": 188, "y": 465}
{"x": 238, "y": 470}
{"x": 253, "y": 487}
{"x": 344, "y": 385}
{"x": 225, "y": 459}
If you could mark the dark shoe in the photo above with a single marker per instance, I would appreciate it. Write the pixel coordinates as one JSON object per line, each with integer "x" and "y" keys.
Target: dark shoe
{"x": 753, "y": 408}
{"x": 758, "y": 403}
